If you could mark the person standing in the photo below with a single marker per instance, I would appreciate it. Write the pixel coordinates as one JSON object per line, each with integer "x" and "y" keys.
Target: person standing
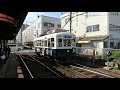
{"x": 5, "y": 51}
{"x": 8, "y": 51}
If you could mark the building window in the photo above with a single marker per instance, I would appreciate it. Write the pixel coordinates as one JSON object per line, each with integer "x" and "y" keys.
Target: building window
{"x": 114, "y": 28}
{"x": 45, "y": 24}
{"x": 89, "y": 29}
{"x": 51, "y": 24}
{"x": 95, "y": 44}
{"x": 105, "y": 44}
{"x": 48, "y": 24}
{"x": 114, "y": 13}
{"x": 89, "y": 14}
{"x": 111, "y": 44}
{"x": 59, "y": 26}
{"x": 95, "y": 28}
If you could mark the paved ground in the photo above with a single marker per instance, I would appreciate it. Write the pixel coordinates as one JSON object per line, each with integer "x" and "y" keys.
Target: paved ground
{"x": 9, "y": 70}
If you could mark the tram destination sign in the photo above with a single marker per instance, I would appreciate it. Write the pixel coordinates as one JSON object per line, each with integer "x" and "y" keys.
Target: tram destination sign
{"x": 67, "y": 36}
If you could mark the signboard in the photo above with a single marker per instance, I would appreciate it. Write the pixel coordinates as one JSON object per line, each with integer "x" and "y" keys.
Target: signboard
{"x": 67, "y": 36}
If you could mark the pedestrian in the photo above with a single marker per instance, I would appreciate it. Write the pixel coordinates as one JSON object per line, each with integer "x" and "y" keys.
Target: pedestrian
{"x": 3, "y": 57}
{"x": 5, "y": 51}
{"x": 8, "y": 51}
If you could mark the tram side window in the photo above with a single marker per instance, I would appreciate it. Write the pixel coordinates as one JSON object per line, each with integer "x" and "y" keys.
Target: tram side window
{"x": 45, "y": 43}
{"x": 73, "y": 43}
{"x": 73, "y": 39}
{"x": 52, "y": 42}
{"x": 40, "y": 42}
{"x": 67, "y": 42}
{"x": 59, "y": 42}
{"x": 35, "y": 43}
{"x": 48, "y": 42}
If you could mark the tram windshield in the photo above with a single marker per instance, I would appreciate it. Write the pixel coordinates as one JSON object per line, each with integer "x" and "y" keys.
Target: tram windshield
{"x": 67, "y": 42}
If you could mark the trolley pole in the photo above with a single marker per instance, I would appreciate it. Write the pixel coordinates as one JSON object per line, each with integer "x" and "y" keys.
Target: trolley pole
{"x": 70, "y": 20}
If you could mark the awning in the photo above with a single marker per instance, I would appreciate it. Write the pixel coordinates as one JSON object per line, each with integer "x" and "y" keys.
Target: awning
{"x": 83, "y": 42}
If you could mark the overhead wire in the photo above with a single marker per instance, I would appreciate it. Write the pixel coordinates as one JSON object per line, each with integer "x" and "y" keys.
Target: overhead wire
{"x": 71, "y": 18}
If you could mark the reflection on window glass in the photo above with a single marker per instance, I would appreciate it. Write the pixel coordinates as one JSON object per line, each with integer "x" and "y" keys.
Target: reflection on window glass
{"x": 67, "y": 42}
{"x": 111, "y": 44}
{"x": 59, "y": 42}
{"x": 48, "y": 42}
{"x": 105, "y": 44}
{"x": 45, "y": 43}
{"x": 52, "y": 42}
{"x": 42, "y": 43}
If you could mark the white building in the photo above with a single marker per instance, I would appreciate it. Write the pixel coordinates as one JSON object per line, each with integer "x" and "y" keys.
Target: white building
{"x": 40, "y": 27}
{"x": 94, "y": 29}
{"x": 19, "y": 35}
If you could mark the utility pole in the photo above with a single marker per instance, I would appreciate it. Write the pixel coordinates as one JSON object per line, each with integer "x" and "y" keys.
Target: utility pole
{"x": 70, "y": 21}
{"x": 37, "y": 33}
{"x": 21, "y": 36}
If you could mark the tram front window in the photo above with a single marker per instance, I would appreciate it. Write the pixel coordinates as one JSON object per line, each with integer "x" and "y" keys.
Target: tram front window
{"x": 67, "y": 42}
{"x": 59, "y": 42}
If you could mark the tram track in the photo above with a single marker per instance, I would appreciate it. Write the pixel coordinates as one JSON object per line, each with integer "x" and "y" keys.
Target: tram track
{"x": 74, "y": 70}
{"x": 37, "y": 69}
{"x": 80, "y": 71}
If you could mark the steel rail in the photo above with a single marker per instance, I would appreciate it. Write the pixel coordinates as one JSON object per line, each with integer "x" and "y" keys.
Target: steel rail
{"x": 26, "y": 67}
{"x": 46, "y": 67}
{"x": 92, "y": 71}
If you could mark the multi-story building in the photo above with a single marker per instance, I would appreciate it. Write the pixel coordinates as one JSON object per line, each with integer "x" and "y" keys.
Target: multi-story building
{"x": 94, "y": 29}
{"x": 40, "y": 27}
{"x": 19, "y": 35}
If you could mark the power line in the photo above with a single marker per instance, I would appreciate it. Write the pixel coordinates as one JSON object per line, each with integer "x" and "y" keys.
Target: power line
{"x": 71, "y": 18}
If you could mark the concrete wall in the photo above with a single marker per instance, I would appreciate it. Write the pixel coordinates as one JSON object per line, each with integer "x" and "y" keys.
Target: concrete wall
{"x": 115, "y": 20}
{"x": 100, "y": 19}
{"x": 80, "y": 22}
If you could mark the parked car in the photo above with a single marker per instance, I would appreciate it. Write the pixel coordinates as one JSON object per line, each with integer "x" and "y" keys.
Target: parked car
{"x": 15, "y": 47}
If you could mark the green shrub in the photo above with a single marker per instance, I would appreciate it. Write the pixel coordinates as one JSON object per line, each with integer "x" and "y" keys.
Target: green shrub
{"x": 116, "y": 53}
{"x": 116, "y": 56}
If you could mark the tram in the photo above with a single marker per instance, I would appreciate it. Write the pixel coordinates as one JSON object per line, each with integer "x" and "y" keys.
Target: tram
{"x": 58, "y": 46}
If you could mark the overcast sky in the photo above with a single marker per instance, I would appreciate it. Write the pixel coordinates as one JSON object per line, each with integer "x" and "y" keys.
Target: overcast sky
{"x": 31, "y": 16}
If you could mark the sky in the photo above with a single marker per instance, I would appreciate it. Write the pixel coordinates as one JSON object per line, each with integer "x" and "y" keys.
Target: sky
{"x": 31, "y": 16}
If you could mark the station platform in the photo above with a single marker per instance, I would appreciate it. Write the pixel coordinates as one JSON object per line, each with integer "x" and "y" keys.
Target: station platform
{"x": 9, "y": 70}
